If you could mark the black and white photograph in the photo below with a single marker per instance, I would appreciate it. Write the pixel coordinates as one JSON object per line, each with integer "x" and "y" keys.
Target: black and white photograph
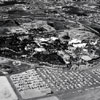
{"x": 49, "y": 49}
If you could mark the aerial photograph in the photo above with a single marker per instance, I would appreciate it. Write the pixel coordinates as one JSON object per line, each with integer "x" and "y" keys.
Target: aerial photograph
{"x": 49, "y": 49}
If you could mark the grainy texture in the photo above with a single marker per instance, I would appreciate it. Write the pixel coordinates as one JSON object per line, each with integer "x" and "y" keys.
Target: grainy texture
{"x": 50, "y": 49}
